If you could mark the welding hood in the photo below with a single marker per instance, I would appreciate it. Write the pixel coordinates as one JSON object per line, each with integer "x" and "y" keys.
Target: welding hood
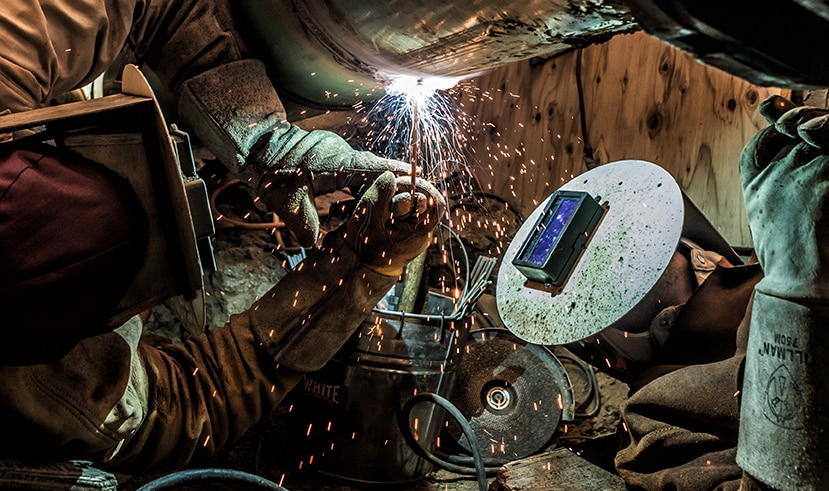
{"x": 618, "y": 269}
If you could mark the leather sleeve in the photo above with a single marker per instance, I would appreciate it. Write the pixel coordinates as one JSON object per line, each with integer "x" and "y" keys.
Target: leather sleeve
{"x": 80, "y": 406}
{"x": 50, "y": 47}
{"x": 209, "y": 390}
{"x": 181, "y": 39}
{"x": 133, "y": 407}
{"x": 202, "y": 394}
{"x": 680, "y": 431}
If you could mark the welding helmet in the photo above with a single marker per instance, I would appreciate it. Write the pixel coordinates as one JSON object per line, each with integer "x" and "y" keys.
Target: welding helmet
{"x": 603, "y": 262}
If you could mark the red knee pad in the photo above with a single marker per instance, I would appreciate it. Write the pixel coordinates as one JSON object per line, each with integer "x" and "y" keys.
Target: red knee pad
{"x": 72, "y": 237}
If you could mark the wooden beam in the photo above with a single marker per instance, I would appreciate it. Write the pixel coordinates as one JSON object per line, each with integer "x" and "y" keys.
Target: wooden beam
{"x": 556, "y": 470}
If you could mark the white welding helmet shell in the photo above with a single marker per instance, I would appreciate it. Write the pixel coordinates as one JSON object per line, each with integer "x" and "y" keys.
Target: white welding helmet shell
{"x": 625, "y": 274}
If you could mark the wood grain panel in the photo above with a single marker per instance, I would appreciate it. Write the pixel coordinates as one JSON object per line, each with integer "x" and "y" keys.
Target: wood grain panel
{"x": 643, "y": 100}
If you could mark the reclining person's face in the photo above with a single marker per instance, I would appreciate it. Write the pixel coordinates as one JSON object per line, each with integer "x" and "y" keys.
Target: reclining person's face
{"x": 637, "y": 336}
{"x": 675, "y": 287}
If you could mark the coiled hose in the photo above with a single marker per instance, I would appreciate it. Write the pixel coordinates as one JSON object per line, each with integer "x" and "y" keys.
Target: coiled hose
{"x": 479, "y": 470}
{"x": 210, "y": 476}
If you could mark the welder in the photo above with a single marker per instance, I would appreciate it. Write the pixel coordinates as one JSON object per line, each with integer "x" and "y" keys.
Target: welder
{"x": 71, "y": 234}
{"x": 764, "y": 405}
{"x": 721, "y": 353}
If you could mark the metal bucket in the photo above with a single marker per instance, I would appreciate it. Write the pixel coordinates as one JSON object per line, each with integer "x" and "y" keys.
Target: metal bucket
{"x": 345, "y": 414}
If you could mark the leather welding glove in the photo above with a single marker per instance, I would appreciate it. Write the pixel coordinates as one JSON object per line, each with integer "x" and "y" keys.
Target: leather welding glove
{"x": 389, "y": 227}
{"x": 785, "y": 178}
{"x": 386, "y": 242}
{"x": 238, "y": 115}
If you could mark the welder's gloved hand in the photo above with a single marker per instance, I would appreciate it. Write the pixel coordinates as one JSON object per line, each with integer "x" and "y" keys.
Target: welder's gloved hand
{"x": 390, "y": 225}
{"x": 236, "y": 113}
{"x": 316, "y": 308}
{"x": 311, "y": 164}
{"x": 785, "y": 177}
{"x": 785, "y": 174}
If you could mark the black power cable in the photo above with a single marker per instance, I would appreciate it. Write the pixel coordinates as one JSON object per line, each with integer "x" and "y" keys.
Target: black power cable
{"x": 210, "y": 476}
{"x": 479, "y": 470}
{"x": 589, "y": 160}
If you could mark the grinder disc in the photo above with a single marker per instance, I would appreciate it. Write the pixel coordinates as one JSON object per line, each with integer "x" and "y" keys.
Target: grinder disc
{"x": 509, "y": 394}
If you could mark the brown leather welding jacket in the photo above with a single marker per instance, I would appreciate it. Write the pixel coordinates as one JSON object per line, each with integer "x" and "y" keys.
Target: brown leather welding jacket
{"x": 115, "y": 400}
{"x": 51, "y": 47}
{"x": 679, "y": 426}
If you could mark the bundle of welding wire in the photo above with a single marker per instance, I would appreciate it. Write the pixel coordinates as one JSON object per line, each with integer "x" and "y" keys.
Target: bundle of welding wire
{"x": 478, "y": 281}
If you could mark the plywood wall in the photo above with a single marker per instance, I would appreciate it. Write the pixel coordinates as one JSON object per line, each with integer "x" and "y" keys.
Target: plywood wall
{"x": 643, "y": 100}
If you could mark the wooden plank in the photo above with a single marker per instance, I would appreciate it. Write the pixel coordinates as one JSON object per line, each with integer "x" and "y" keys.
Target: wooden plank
{"x": 557, "y": 470}
{"x": 643, "y": 100}
{"x": 36, "y": 117}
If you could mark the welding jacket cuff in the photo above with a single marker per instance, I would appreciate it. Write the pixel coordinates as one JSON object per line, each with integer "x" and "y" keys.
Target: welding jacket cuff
{"x": 784, "y": 394}
{"x": 238, "y": 115}
{"x": 308, "y": 316}
{"x": 235, "y": 112}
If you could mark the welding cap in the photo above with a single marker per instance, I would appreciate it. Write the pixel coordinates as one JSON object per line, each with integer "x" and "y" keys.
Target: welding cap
{"x": 72, "y": 237}
{"x": 600, "y": 258}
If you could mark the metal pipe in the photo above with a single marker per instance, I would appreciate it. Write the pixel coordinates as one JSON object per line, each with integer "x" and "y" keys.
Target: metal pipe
{"x": 336, "y": 52}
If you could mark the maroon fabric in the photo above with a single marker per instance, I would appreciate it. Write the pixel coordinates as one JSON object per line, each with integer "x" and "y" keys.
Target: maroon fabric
{"x": 72, "y": 237}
